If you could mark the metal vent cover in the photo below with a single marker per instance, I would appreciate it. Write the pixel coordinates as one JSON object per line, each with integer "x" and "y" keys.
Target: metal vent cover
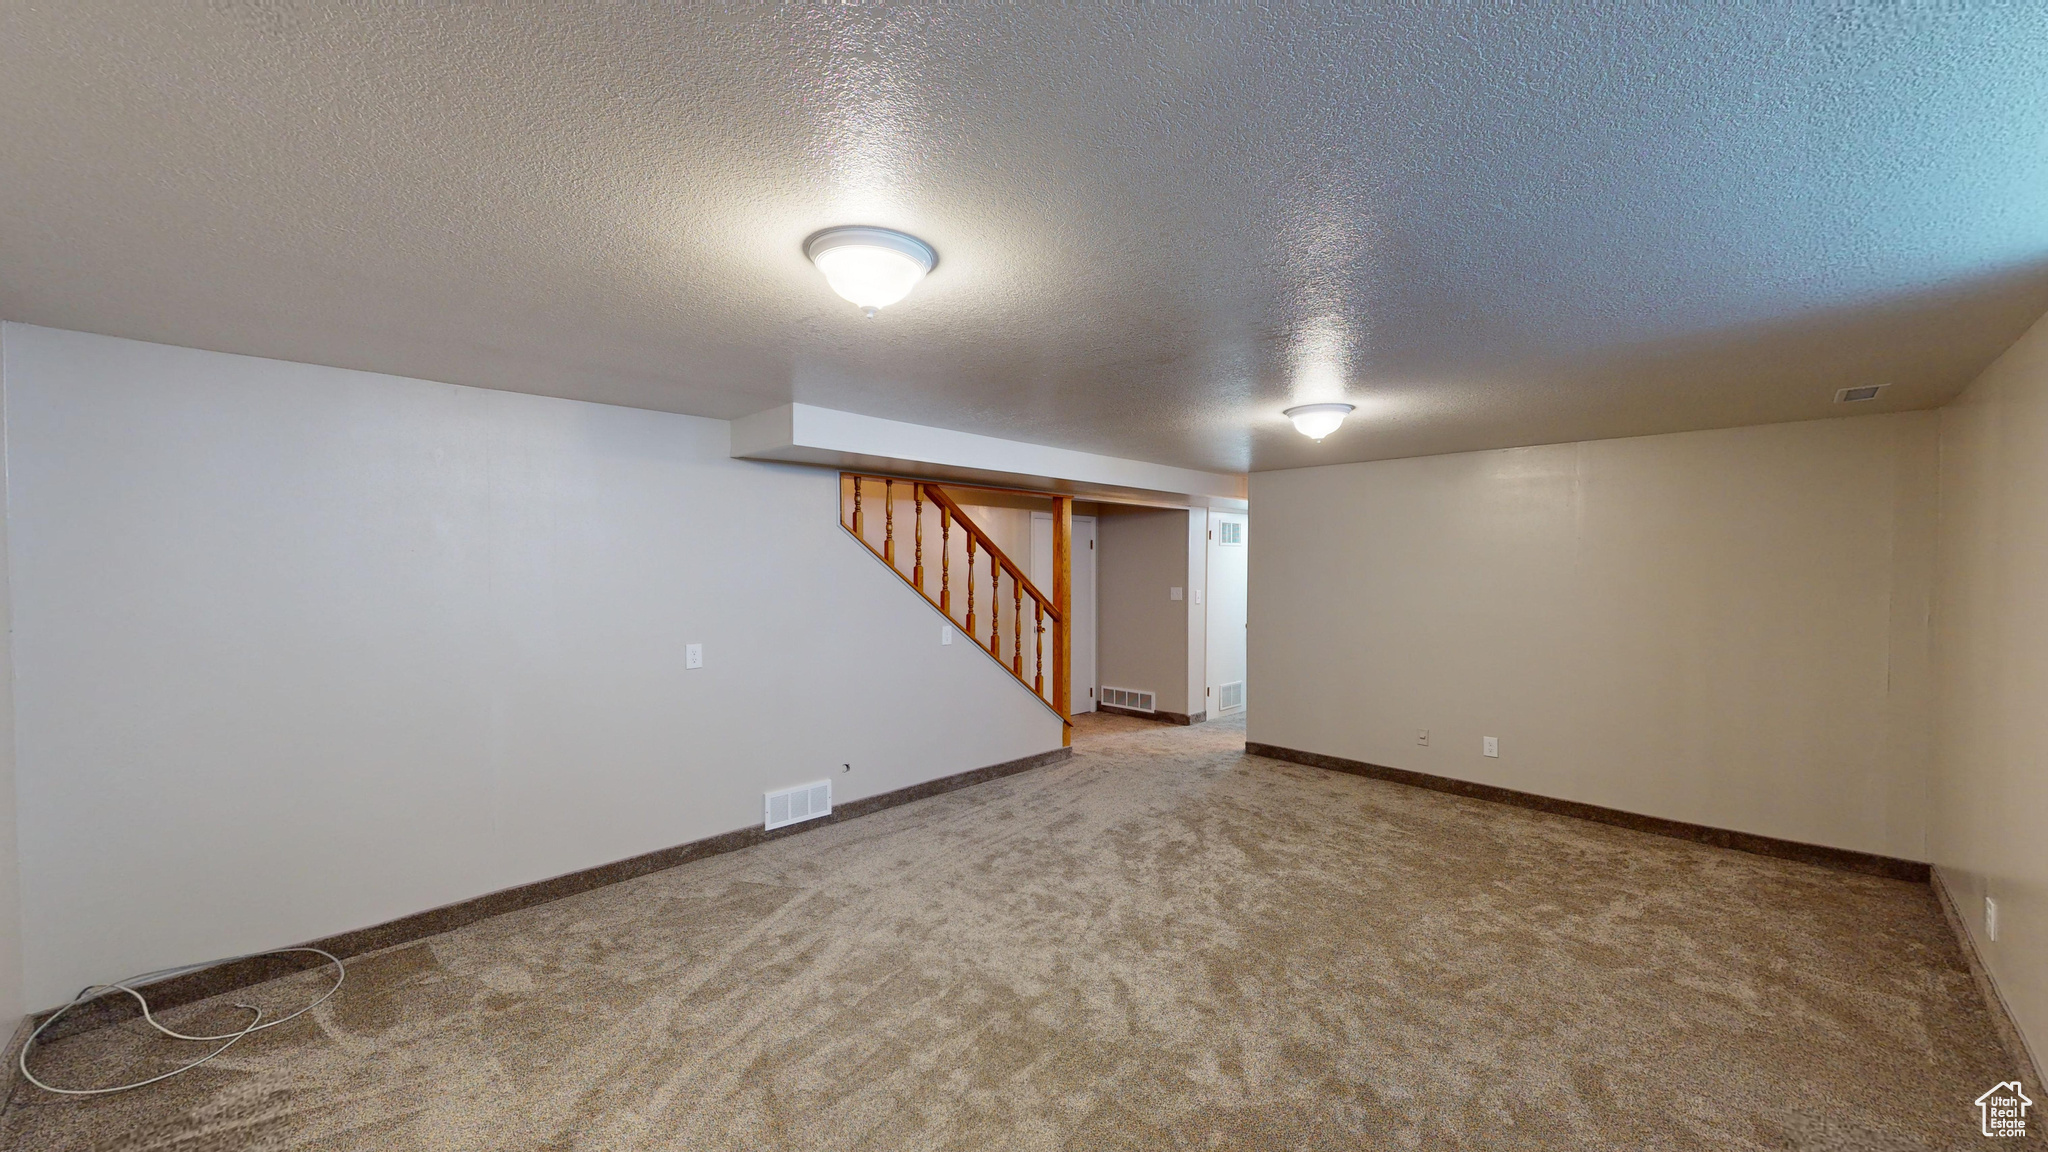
{"x": 1127, "y": 698}
{"x": 1230, "y": 697}
{"x": 1230, "y": 532}
{"x": 795, "y": 805}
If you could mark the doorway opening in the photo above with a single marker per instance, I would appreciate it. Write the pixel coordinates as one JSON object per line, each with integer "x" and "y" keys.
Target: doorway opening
{"x": 1170, "y": 602}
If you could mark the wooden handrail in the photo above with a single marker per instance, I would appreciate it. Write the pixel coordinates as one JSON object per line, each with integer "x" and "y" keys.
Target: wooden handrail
{"x": 1053, "y": 609}
{"x": 989, "y": 546}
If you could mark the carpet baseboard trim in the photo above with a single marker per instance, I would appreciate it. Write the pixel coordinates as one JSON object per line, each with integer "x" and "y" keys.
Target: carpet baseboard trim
{"x": 12, "y": 1054}
{"x": 212, "y": 981}
{"x": 2003, "y": 1021}
{"x": 1845, "y": 859}
{"x": 1181, "y": 718}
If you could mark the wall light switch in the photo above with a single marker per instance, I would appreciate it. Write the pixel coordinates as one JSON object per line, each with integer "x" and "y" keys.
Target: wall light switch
{"x": 1198, "y": 595}
{"x": 945, "y": 633}
{"x": 1422, "y": 737}
{"x": 693, "y": 656}
{"x": 1490, "y": 745}
{"x": 1173, "y": 593}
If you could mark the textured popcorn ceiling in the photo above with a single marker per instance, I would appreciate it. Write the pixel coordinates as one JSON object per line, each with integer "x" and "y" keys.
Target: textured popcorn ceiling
{"x": 1156, "y": 227}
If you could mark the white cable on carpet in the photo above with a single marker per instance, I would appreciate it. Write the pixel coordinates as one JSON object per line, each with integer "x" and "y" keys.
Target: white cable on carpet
{"x": 256, "y": 1024}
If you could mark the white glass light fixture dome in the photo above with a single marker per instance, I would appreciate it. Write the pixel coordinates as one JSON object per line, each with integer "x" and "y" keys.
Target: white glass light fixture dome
{"x": 1316, "y": 421}
{"x": 872, "y": 267}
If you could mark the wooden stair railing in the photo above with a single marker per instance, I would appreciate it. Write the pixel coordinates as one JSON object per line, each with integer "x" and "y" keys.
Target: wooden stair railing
{"x": 1045, "y": 675}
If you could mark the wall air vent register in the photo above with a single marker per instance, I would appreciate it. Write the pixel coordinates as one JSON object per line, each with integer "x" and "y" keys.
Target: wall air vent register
{"x": 1125, "y": 698}
{"x": 795, "y": 805}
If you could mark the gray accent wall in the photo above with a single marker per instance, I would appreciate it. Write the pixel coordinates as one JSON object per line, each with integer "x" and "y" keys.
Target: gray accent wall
{"x": 1146, "y": 640}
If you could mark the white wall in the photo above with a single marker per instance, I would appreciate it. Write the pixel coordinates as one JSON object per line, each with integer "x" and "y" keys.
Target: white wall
{"x": 1723, "y": 627}
{"x": 300, "y": 649}
{"x": 1194, "y": 602}
{"x": 1989, "y": 803}
{"x": 808, "y": 434}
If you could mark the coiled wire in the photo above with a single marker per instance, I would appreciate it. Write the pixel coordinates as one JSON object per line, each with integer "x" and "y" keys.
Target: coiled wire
{"x": 256, "y": 1021}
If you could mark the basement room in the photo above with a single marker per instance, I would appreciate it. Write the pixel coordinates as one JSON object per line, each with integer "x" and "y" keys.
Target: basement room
{"x": 644, "y": 577}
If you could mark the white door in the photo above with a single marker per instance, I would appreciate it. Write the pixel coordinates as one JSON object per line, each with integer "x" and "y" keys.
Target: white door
{"x": 1227, "y": 586}
{"x": 1082, "y": 597}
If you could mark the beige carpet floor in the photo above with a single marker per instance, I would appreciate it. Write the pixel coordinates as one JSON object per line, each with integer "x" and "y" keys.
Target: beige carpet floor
{"x": 1160, "y": 944}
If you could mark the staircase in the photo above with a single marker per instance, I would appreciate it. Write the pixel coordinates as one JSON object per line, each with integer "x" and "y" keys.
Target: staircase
{"x": 924, "y": 536}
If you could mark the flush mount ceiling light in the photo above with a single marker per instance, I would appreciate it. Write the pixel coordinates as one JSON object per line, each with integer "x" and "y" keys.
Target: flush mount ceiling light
{"x": 873, "y": 267}
{"x": 1316, "y": 421}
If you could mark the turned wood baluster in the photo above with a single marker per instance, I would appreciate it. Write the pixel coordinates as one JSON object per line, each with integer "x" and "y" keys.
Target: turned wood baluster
{"x": 970, "y": 585}
{"x": 917, "y": 502}
{"x": 995, "y": 610}
{"x": 945, "y": 562}
{"x": 856, "y": 508}
{"x": 1017, "y": 627}
{"x": 889, "y": 522}
{"x": 1038, "y": 660}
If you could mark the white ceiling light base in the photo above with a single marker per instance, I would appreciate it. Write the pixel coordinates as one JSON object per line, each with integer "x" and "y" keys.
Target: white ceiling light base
{"x": 1316, "y": 421}
{"x": 872, "y": 267}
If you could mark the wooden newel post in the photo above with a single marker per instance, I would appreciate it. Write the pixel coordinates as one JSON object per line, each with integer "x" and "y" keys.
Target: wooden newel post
{"x": 1063, "y": 602}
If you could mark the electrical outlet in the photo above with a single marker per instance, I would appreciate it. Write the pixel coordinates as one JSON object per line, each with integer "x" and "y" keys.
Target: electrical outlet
{"x": 1490, "y": 745}
{"x": 1991, "y": 919}
{"x": 945, "y": 633}
{"x": 1422, "y": 737}
{"x": 1173, "y": 593}
{"x": 693, "y": 656}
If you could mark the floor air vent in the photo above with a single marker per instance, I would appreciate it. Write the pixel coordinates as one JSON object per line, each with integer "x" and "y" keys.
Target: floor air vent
{"x": 1125, "y": 698}
{"x": 1230, "y": 697}
{"x": 792, "y": 805}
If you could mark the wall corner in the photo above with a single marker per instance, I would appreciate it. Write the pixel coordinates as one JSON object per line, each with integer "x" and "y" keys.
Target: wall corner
{"x": 11, "y": 1000}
